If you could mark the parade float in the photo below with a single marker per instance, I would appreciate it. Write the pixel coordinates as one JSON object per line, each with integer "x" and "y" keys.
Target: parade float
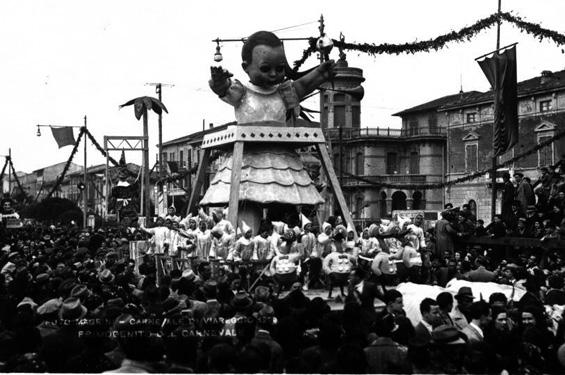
{"x": 262, "y": 175}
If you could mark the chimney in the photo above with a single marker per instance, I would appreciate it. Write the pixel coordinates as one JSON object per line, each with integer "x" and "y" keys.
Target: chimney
{"x": 211, "y": 126}
{"x": 546, "y": 76}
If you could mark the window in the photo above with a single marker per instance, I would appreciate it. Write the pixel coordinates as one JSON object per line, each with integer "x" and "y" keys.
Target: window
{"x": 471, "y": 157}
{"x": 172, "y": 156}
{"x": 545, "y": 155}
{"x": 181, "y": 159}
{"x": 359, "y": 205}
{"x": 164, "y": 156}
{"x": 545, "y": 106}
{"x": 355, "y": 116}
{"x": 339, "y": 116}
{"x": 391, "y": 163}
{"x": 339, "y": 97}
{"x": 359, "y": 164}
{"x": 413, "y": 127}
{"x": 337, "y": 164}
{"x": 471, "y": 117}
{"x": 432, "y": 122}
{"x": 414, "y": 163}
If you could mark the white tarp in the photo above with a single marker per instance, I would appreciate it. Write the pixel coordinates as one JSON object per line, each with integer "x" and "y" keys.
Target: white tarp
{"x": 413, "y": 294}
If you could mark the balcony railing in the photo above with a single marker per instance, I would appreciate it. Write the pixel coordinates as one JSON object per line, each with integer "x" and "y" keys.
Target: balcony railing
{"x": 352, "y": 133}
{"x": 385, "y": 178}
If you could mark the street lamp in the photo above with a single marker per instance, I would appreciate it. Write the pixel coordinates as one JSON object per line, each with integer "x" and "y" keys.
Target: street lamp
{"x": 38, "y": 131}
{"x": 218, "y": 55}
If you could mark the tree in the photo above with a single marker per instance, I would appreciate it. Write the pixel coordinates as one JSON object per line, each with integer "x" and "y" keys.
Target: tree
{"x": 141, "y": 105}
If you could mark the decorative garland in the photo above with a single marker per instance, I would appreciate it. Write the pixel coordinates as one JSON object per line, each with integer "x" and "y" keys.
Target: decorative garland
{"x": 4, "y": 169}
{"x": 68, "y": 164}
{"x": 178, "y": 176}
{"x": 305, "y": 54}
{"x": 439, "y": 42}
{"x": 26, "y": 196}
{"x": 467, "y": 178}
{"x": 435, "y": 44}
{"x": 534, "y": 29}
{"x": 99, "y": 148}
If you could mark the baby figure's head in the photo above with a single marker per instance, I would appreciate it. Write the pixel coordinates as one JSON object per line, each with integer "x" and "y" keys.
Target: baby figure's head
{"x": 263, "y": 59}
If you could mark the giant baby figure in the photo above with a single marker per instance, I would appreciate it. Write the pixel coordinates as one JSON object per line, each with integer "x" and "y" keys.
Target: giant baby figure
{"x": 271, "y": 172}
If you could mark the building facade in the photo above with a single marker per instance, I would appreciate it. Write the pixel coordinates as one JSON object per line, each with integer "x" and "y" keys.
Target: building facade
{"x": 365, "y": 158}
{"x": 541, "y": 111}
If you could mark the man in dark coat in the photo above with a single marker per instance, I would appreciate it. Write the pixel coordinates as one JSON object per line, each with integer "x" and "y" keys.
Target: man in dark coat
{"x": 445, "y": 233}
{"x": 508, "y": 194}
{"x": 524, "y": 192}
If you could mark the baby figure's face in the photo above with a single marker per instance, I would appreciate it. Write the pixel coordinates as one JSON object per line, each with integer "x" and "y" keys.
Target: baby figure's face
{"x": 267, "y": 67}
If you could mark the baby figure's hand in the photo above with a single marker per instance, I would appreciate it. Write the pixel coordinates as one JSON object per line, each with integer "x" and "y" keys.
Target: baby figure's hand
{"x": 220, "y": 81}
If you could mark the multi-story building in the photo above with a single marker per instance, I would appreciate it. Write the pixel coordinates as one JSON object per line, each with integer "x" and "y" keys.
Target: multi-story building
{"x": 373, "y": 156}
{"x": 40, "y": 182}
{"x": 541, "y": 111}
{"x": 468, "y": 118}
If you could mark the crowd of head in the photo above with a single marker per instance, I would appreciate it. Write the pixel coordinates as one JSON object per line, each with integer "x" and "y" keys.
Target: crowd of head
{"x": 230, "y": 300}
{"x": 531, "y": 210}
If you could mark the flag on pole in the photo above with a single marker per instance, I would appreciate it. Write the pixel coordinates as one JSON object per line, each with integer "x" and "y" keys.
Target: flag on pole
{"x": 63, "y": 136}
{"x": 500, "y": 70}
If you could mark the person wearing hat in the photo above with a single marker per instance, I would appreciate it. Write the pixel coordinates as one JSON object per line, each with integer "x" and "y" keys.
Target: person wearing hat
{"x": 241, "y": 304}
{"x": 243, "y": 247}
{"x": 171, "y": 214}
{"x": 27, "y": 302}
{"x": 48, "y": 313}
{"x": 383, "y": 354}
{"x": 218, "y": 218}
{"x": 66, "y": 342}
{"x": 352, "y": 247}
{"x": 338, "y": 264}
{"x": 508, "y": 196}
{"x": 203, "y": 240}
{"x": 445, "y": 233}
{"x": 464, "y": 299}
{"x": 106, "y": 276}
{"x": 480, "y": 315}
{"x": 81, "y": 292}
{"x": 285, "y": 264}
{"x": 222, "y": 243}
{"x": 160, "y": 236}
{"x": 325, "y": 240}
{"x": 312, "y": 261}
{"x": 369, "y": 241}
{"x": 263, "y": 250}
{"x": 524, "y": 192}
{"x": 448, "y": 351}
{"x": 480, "y": 273}
{"x": 522, "y": 229}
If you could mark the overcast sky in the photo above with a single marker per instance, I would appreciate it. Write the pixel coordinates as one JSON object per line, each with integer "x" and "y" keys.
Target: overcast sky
{"x": 61, "y": 60}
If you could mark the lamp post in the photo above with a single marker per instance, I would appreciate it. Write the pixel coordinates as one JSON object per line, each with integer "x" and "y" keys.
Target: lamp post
{"x": 85, "y": 190}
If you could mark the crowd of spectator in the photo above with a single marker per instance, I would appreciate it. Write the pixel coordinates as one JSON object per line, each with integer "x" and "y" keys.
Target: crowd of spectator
{"x": 232, "y": 300}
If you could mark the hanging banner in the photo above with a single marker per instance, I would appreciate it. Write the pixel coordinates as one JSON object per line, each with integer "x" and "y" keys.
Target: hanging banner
{"x": 500, "y": 70}
{"x": 63, "y": 136}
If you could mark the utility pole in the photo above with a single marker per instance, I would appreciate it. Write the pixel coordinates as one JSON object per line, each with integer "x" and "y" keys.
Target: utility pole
{"x": 158, "y": 91}
{"x": 85, "y": 191}
{"x": 495, "y": 90}
{"x": 10, "y": 173}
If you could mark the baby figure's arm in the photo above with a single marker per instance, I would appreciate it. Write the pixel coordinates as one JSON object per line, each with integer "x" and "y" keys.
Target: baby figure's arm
{"x": 310, "y": 82}
{"x": 222, "y": 85}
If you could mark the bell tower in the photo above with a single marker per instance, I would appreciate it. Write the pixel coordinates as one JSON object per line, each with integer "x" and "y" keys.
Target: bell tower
{"x": 341, "y": 101}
